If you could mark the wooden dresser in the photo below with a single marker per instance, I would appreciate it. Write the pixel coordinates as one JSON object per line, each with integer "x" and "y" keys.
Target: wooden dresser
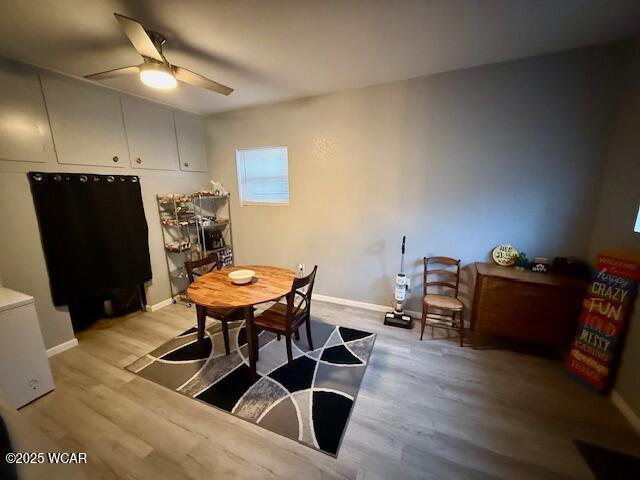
{"x": 537, "y": 308}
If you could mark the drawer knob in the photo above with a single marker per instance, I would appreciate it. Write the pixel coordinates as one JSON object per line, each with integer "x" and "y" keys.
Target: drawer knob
{"x": 115, "y": 159}
{"x": 138, "y": 160}
{"x": 186, "y": 164}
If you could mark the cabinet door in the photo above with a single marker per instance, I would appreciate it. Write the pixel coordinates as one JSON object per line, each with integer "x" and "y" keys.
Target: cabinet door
{"x": 151, "y": 135}
{"x": 191, "y": 142}
{"x": 24, "y": 127}
{"x": 86, "y": 123}
{"x": 531, "y": 312}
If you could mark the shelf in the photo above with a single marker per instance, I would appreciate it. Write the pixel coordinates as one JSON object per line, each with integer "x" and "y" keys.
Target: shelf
{"x": 179, "y": 210}
{"x": 178, "y": 246}
{"x": 217, "y": 224}
{"x": 172, "y": 222}
{"x": 172, "y": 198}
{"x": 208, "y": 195}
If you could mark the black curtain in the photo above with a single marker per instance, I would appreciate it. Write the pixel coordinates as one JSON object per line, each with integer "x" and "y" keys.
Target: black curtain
{"x": 93, "y": 231}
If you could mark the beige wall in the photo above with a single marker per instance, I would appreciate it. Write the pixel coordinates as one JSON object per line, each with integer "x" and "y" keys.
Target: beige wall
{"x": 458, "y": 162}
{"x": 616, "y": 214}
{"x": 22, "y": 259}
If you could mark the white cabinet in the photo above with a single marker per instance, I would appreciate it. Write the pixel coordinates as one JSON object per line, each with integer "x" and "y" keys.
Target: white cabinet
{"x": 191, "y": 142}
{"x": 86, "y": 123}
{"x": 25, "y": 373}
{"x": 151, "y": 135}
{"x": 24, "y": 127}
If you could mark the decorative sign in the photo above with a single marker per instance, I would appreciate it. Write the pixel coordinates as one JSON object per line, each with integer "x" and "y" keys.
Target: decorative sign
{"x": 505, "y": 255}
{"x": 540, "y": 265}
{"x": 604, "y": 318}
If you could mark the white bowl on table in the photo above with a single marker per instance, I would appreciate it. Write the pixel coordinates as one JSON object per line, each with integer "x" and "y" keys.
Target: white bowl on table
{"x": 242, "y": 277}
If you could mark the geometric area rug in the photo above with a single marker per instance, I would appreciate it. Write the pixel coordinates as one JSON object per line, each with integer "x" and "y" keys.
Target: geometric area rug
{"x": 310, "y": 403}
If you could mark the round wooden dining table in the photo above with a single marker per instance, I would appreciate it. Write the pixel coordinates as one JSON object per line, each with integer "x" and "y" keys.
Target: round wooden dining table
{"x": 216, "y": 290}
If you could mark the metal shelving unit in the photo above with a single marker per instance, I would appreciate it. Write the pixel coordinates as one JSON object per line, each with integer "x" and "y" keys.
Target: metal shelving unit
{"x": 193, "y": 226}
{"x": 214, "y": 214}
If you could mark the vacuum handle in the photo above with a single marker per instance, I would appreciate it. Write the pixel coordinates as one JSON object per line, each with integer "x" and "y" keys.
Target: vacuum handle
{"x": 404, "y": 238}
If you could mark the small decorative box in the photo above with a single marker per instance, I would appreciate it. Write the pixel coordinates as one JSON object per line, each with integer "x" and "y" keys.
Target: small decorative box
{"x": 540, "y": 265}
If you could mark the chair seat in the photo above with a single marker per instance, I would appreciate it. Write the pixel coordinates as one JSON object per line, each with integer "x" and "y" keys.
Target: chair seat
{"x": 443, "y": 301}
{"x": 274, "y": 318}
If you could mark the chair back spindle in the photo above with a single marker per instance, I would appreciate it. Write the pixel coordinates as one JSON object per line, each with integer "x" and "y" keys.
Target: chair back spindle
{"x": 303, "y": 306}
{"x": 198, "y": 268}
{"x": 437, "y": 273}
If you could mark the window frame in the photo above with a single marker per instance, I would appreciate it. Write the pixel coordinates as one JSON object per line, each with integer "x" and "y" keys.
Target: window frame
{"x": 252, "y": 203}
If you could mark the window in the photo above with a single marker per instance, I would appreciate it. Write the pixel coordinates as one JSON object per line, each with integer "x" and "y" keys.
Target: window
{"x": 263, "y": 176}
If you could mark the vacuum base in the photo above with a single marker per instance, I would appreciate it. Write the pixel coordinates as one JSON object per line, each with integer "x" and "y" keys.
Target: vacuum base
{"x": 398, "y": 320}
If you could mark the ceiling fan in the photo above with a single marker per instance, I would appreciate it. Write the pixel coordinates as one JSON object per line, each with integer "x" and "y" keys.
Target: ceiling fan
{"x": 155, "y": 71}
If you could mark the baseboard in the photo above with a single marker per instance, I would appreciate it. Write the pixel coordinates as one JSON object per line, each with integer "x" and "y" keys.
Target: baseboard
{"x": 157, "y": 306}
{"x": 628, "y": 413}
{"x": 355, "y": 303}
{"x": 351, "y": 303}
{"x": 62, "y": 347}
{"x": 323, "y": 298}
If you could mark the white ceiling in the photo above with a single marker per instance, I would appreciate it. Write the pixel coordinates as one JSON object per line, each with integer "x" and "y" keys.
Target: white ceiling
{"x": 271, "y": 50}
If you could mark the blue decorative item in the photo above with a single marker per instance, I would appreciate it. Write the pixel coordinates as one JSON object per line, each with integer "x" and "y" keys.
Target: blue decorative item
{"x": 522, "y": 262}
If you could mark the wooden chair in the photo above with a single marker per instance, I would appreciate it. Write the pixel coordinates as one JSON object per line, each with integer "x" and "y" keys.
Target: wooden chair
{"x": 437, "y": 273}
{"x": 286, "y": 319}
{"x": 224, "y": 315}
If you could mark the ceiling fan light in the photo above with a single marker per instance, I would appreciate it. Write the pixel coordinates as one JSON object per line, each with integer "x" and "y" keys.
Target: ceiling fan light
{"x": 157, "y": 76}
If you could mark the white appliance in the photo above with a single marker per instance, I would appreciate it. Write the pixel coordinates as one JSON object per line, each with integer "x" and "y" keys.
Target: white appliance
{"x": 24, "y": 366}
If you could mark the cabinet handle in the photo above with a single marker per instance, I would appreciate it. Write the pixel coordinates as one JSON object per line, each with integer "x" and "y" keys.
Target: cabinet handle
{"x": 115, "y": 159}
{"x": 186, "y": 164}
{"x": 138, "y": 160}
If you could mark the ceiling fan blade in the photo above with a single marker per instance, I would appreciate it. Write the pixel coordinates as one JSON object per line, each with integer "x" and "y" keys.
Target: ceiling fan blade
{"x": 138, "y": 37}
{"x": 116, "y": 72}
{"x": 187, "y": 76}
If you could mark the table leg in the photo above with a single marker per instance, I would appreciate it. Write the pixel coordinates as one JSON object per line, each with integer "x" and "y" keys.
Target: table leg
{"x": 201, "y": 312}
{"x": 251, "y": 339}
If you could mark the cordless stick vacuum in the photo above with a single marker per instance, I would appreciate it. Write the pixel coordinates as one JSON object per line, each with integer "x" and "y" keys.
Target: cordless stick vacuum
{"x": 397, "y": 318}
